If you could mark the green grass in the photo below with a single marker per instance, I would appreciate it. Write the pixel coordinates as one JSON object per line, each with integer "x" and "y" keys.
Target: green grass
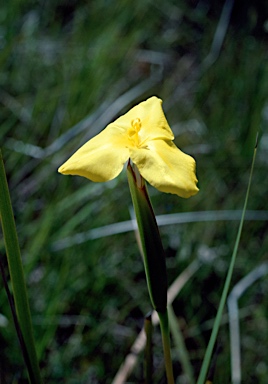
{"x": 56, "y": 69}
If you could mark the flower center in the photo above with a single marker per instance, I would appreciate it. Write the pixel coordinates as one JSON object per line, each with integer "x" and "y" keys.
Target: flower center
{"x": 133, "y": 132}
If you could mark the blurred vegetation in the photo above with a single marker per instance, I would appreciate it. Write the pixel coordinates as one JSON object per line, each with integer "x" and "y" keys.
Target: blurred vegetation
{"x": 66, "y": 70}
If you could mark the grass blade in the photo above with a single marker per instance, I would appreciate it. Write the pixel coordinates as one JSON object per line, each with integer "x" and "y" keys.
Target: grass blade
{"x": 17, "y": 277}
{"x": 209, "y": 350}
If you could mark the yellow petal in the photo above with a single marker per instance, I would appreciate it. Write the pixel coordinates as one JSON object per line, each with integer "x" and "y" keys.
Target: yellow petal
{"x": 166, "y": 168}
{"x": 101, "y": 158}
{"x": 153, "y": 122}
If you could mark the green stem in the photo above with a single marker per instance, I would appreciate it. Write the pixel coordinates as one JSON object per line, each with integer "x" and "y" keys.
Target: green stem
{"x": 17, "y": 278}
{"x": 164, "y": 325}
{"x": 153, "y": 256}
{"x": 152, "y": 248}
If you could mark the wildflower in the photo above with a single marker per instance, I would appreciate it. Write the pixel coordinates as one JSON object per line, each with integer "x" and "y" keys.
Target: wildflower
{"x": 143, "y": 136}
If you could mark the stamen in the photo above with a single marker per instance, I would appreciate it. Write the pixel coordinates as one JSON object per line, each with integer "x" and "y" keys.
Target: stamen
{"x": 133, "y": 132}
{"x": 136, "y": 124}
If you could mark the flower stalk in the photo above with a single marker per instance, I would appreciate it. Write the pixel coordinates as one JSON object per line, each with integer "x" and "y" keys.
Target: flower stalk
{"x": 153, "y": 257}
{"x": 164, "y": 326}
{"x": 153, "y": 252}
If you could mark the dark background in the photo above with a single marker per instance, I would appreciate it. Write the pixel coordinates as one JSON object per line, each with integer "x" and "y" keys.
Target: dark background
{"x": 67, "y": 69}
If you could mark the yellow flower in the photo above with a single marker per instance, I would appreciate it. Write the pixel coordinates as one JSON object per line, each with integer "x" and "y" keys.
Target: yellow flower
{"x": 144, "y": 136}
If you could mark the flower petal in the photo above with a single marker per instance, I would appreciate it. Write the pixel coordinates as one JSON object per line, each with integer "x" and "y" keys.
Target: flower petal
{"x": 166, "y": 168}
{"x": 153, "y": 122}
{"x": 101, "y": 158}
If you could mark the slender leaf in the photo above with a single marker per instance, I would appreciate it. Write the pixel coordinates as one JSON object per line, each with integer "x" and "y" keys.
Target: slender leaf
{"x": 216, "y": 326}
{"x": 17, "y": 277}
